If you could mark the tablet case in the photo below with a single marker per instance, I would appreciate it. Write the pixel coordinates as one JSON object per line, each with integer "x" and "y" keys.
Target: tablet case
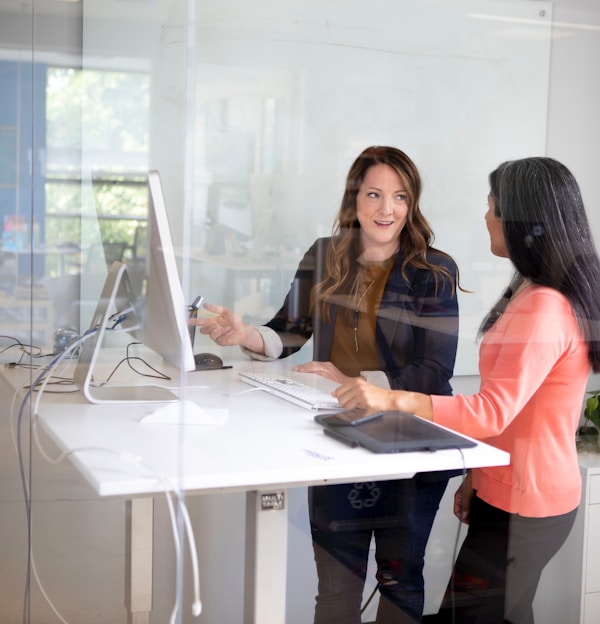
{"x": 394, "y": 432}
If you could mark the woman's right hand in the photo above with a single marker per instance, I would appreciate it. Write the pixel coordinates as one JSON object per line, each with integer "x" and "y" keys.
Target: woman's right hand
{"x": 227, "y": 329}
{"x": 462, "y": 500}
{"x": 325, "y": 369}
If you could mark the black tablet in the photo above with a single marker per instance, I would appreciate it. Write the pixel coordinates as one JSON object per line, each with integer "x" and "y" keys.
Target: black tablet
{"x": 392, "y": 432}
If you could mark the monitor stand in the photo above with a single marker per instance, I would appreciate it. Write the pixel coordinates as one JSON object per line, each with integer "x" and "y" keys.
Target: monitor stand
{"x": 116, "y": 296}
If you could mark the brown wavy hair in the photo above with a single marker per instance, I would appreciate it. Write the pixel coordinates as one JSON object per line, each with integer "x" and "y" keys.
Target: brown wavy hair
{"x": 416, "y": 237}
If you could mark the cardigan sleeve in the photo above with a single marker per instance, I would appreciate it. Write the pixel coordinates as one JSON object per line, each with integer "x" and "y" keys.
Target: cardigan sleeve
{"x": 294, "y": 322}
{"x": 272, "y": 343}
{"x": 419, "y": 346}
{"x": 517, "y": 354}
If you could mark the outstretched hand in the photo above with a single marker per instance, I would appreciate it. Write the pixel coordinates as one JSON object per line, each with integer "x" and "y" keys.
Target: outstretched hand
{"x": 227, "y": 329}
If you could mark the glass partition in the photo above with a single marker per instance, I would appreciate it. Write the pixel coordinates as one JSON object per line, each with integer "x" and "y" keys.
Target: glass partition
{"x": 252, "y": 112}
{"x": 284, "y": 104}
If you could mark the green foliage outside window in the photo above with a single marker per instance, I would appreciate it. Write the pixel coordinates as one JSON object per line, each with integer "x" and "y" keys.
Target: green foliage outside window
{"x": 104, "y": 111}
{"x": 97, "y": 121}
{"x": 592, "y": 408}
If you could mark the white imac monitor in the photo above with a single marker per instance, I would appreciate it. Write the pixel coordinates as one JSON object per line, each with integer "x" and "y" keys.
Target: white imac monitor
{"x": 156, "y": 316}
{"x": 165, "y": 319}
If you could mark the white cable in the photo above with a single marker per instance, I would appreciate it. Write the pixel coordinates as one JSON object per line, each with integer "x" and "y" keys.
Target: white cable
{"x": 169, "y": 491}
{"x": 43, "y": 591}
{"x": 16, "y": 438}
{"x": 52, "y": 365}
{"x": 48, "y": 370}
{"x": 13, "y": 432}
{"x": 44, "y": 376}
{"x": 12, "y": 406}
{"x": 197, "y": 604}
{"x": 45, "y": 372}
{"x": 169, "y": 487}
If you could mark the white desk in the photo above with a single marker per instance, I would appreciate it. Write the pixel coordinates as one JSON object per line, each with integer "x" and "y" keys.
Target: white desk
{"x": 265, "y": 446}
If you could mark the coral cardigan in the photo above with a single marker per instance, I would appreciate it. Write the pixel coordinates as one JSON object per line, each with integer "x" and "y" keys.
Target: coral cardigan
{"x": 534, "y": 367}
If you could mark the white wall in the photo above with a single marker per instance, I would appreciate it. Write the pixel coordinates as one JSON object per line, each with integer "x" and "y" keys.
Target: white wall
{"x": 460, "y": 86}
{"x": 573, "y": 134}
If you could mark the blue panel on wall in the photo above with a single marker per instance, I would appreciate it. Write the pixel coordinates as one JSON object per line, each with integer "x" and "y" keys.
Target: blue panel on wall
{"x": 9, "y": 80}
{"x": 23, "y": 120}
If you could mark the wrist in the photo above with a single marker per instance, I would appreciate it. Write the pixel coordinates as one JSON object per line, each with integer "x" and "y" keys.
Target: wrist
{"x": 419, "y": 404}
{"x": 254, "y": 341}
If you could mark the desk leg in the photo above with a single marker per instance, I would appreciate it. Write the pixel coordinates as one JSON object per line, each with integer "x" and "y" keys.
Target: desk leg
{"x": 138, "y": 559}
{"x": 266, "y": 557}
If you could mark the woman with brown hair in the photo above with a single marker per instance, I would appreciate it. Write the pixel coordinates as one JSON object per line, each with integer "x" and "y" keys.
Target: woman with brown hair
{"x": 379, "y": 302}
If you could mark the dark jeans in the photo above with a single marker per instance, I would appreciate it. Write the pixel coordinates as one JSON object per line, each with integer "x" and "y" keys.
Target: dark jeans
{"x": 499, "y": 566}
{"x": 344, "y": 518}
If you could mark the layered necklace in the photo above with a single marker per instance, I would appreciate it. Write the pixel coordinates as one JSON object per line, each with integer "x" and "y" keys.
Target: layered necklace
{"x": 356, "y": 313}
{"x": 373, "y": 271}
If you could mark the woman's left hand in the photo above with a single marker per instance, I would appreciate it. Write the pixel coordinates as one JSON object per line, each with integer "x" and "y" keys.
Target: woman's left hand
{"x": 325, "y": 369}
{"x": 357, "y": 392}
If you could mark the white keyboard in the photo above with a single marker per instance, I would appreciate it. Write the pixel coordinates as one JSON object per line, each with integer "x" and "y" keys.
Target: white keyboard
{"x": 293, "y": 391}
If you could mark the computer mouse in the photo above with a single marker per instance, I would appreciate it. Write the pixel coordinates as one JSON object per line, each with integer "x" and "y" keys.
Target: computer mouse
{"x": 207, "y": 361}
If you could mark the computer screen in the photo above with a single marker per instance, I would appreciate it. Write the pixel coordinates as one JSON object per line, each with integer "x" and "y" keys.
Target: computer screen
{"x": 155, "y": 313}
{"x": 165, "y": 328}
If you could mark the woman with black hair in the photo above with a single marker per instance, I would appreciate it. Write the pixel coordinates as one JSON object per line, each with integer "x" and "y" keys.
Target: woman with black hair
{"x": 378, "y": 301}
{"x": 538, "y": 345}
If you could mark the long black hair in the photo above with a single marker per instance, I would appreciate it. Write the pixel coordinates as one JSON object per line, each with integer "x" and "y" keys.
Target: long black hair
{"x": 548, "y": 236}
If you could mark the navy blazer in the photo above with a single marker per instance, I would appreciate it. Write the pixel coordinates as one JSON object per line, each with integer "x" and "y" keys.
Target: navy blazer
{"x": 416, "y": 330}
